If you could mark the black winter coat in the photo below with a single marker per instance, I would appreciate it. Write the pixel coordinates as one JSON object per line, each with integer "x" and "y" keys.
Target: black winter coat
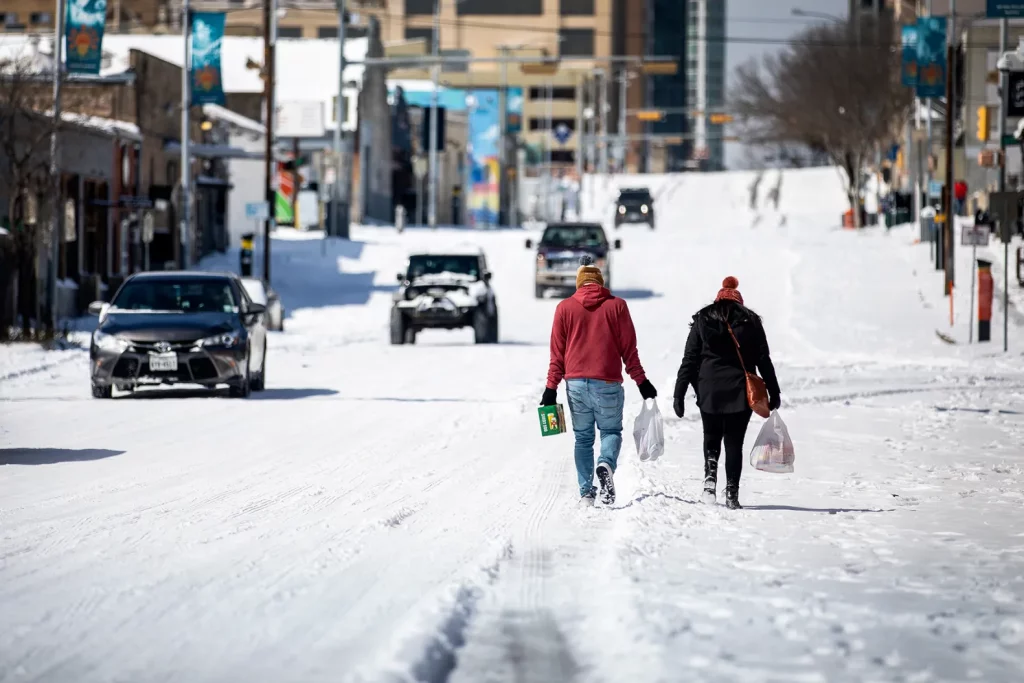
{"x": 711, "y": 364}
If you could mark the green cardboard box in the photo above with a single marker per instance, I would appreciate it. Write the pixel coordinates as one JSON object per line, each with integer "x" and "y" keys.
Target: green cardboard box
{"x": 552, "y": 420}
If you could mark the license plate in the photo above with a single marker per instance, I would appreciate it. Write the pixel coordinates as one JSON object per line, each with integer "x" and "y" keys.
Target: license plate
{"x": 163, "y": 362}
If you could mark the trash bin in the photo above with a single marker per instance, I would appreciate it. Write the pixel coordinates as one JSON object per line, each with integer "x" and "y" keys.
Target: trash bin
{"x": 245, "y": 255}
{"x": 927, "y": 224}
{"x": 399, "y": 218}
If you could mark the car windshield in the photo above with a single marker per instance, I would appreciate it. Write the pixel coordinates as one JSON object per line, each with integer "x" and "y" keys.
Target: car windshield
{"x": 570, "y": 236}
{"x": 256, "y": 291}
{"x": 436, "y": 265}
{"x": 634, "y": 196}
{"x": 185, "y": 296}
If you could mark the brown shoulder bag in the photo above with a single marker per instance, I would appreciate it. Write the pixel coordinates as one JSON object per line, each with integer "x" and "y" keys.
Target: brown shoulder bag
{"x": 757, "y": 391}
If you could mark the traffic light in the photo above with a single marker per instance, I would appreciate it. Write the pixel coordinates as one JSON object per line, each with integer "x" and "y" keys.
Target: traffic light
{"x": 720, "y": 119}
{"x": 983, "y": 126}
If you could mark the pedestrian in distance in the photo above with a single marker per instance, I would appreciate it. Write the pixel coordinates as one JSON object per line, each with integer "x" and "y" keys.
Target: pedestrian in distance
{"x": 726, "y": 341}
{"x": 591, "y": 338}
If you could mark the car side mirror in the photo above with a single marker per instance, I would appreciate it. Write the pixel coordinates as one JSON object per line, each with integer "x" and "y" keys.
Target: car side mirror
{"x": 618, "y": 244}
{"x": 401, "y": 278}
{"x": 487, "y": 278}
{"x": 529, "y": 244}
{"x": 96, "y": 307}
{"x": 255, "y": 311}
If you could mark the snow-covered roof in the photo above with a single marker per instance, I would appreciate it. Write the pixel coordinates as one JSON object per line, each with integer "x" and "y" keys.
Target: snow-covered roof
{"x": 219, "y": 113}
{"x": 302, "y": 67}
{"x": 464, "y": 250}
{"x": 121, "y": 129}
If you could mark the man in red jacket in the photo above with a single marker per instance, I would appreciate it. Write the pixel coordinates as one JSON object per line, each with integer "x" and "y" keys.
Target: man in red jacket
{"x": 591, "y": 338}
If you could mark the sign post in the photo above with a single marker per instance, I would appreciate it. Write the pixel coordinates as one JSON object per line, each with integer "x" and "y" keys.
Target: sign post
{"x": 1004, "y": 9}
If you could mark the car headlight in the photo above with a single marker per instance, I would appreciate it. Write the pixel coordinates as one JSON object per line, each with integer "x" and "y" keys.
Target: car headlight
{"x": 643, "y": 209}
{"x": 622, "y": 209}
{"x": 110, "y": 342}
{"x": 227, "y": 340}
{"x": 540, "y": 259}
{"x": 602, "y": 263}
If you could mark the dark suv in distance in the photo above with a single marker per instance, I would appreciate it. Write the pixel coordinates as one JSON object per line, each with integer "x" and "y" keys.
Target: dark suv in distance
{"x": 179, "y": 328}
{"x": 634, "y": 205}
{"x": 559, "y": 251}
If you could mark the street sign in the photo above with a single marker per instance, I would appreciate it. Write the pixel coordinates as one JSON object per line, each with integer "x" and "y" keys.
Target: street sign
{"x": 300, "y": 120}
{"x": 935, "y": 189}
{"x": 562, "y": 133}
{"x": 975, "y": 236}
{"x": 129, "y": 202}
{"x": 256, "y": 211}
{"x": 148, "y": 226}
{"x": 1004, "y": 9}
{"x": 1009, "y": 140}
{"x": 1015, "y": 101}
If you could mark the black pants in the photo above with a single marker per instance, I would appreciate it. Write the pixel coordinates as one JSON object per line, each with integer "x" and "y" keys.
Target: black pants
{"x": 732, "y": 428}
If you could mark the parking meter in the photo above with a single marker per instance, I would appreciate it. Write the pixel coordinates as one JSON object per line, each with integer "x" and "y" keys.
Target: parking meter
{"x": 245, "y": 256}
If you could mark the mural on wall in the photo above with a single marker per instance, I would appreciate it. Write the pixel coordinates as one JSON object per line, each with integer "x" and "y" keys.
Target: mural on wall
{"x": 484, "y": 168}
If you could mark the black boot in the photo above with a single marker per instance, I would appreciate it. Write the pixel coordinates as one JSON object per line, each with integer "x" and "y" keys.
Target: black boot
{"x": 732, "y": 497}
{"x": 710, "y": 478}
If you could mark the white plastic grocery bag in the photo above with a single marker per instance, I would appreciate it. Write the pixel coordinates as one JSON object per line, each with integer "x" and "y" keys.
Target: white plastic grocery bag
{"x": 773, "y": 450}
{"x": 649, "y": 433}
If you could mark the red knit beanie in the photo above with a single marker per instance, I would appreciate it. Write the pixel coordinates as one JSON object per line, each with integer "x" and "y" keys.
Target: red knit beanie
{"x": 730, "y": 291}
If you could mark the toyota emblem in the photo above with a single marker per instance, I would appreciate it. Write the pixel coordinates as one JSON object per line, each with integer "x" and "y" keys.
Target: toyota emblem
{"x": 163, "y": 347}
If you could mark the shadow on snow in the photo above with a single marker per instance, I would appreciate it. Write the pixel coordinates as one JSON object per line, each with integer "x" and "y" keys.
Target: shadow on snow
{"x": 52, "y": 456}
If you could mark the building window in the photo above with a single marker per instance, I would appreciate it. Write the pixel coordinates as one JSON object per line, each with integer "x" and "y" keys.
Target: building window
{"x": 289, "y": 31}
{"x": 577, "y": 42}
{"x": 415, "y": 32}
{"x": 41, "y": 19}
{"x": 577, "y": 8}
{"x": 328, "y": 32}
{"x": 563, "y": 156}
{"x": 8, "y": 18}
{"x": 541, "y": 93}
{"x": 495, "y": 8}
{"x": 419, "y": 8}
{"x": 542, "y": 124}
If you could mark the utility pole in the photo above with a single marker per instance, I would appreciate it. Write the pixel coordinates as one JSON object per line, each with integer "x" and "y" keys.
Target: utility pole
{"x": 1004, "y": 29}
{"x": 186, "y": 138}
{"x": 503, "y": 142}
{"x": 603, "y": 140}
{"x": 549, "y": 116}
{"x": 928, "y": 138}
{"x": 55, "y": 203}
{"x": 623, "y": 91}
{"x": 339, "y": 117}
{"x": 950, "y": 224}
{"x": 270, "y": 168}
{"x": 435, "y": 76}
{"x": 579, "y": 139}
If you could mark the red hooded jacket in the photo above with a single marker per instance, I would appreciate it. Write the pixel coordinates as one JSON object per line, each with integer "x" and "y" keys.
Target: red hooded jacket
{"x": 592, "y": 337}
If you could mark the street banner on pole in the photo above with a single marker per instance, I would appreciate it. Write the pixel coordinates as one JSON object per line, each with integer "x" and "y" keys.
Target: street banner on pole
{"x": 84, "y": 35}
{"x": 908, "y": 68}
{"x": 1015, "y": 96}
{"x": 514, "y": 111}
{"x": 931, "y": 57}
{"x": 207, "y": 33}
{"x": 483, "y": 159}
{"x": 1004, "y": 9}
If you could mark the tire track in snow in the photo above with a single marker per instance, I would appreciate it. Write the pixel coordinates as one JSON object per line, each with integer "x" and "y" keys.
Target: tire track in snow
{"x": 516, "y": 636}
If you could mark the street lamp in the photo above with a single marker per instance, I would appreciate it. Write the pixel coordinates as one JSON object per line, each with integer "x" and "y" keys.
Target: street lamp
{"x": 798, "y": 12}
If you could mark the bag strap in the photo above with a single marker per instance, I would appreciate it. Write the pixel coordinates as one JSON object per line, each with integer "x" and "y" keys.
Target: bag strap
{"x": 737, "y": 343}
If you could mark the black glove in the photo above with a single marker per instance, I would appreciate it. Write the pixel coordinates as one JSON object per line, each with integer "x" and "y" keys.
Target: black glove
{"x": 647, "y": 389}
{"x": 549, "y": 398}
{"x": 774, "y": 401}
{"x": 677, "y": 405}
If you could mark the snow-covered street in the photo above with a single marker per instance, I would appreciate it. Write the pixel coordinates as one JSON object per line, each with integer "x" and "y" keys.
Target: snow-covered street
{"x": 391, "y": 513}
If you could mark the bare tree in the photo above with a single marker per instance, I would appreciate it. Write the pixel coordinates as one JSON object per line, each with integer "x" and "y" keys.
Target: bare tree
{"x": 26, "y": 124}
{"x": 832, "y": 90}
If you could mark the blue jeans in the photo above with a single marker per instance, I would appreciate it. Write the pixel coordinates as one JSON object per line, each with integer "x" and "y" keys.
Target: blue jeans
{"x": 595, "y": 401}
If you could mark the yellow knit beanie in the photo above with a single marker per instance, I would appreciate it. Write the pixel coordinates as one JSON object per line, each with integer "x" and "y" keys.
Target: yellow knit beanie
{"x": 588, "y": 273}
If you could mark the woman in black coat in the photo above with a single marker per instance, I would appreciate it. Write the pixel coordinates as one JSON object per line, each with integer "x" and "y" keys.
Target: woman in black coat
{"x": 711, "y": 363}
